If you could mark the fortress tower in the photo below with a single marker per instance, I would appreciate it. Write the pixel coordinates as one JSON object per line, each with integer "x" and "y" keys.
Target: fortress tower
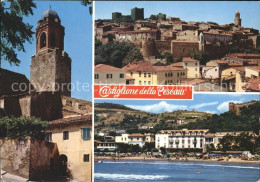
{"x": 237, "y": 19}
{"x": 201, "y": 42}
{"x": 51, "y": 66}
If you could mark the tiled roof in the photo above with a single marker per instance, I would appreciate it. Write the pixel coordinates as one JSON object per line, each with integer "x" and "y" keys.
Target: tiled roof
{"x": 137, "y": 31}
{"x": 256, "y": 68}
{"x": 193, "y": 81}
{"x": 221, "y": 62}
{"x": 178, "y": 64}
{"x": 104, "y": 67}
{"x": 136, "y": 135}
{"x": 254, "y": 84}
{"x": 72, "y": 120}
{"x": 244, "y": 55}
{"x": 185, "y": 41}
{"x": 148, "y": 66}
{"x": 7, "y": 78}
{"x": 188, "y": 59}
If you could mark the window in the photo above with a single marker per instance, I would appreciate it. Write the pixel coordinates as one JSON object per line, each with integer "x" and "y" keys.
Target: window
{"x": 121, "y": 75}
{"x": 86, "y": 158}
{"x": 109, "y": 76}
{"x": 140, "y": 82}
{"x": 183, "y": 50}
{"x": 65, "y": 135}
{"x": 96, "y": 76}
{"x": 196, "y": 64}
{"x": 48, "y": 136}
{"x": 165, "y": 74}
{"x": 131, "y": 73}
{"x": 144, "y": 74}
{"x": 186, "y": 64}
{"x": 43, "y": 40}
{"x": 216, "y": 69}
{"x": 149, "y": 82}
{"x": 196, "y": 75}
{"x": 196, "y": 69}
{"x": 165, "y": 82}
{"x": 86, "y": 133}
{"x": 149, "y": 74}
{"x": 140, "y": 73}
{"x": 144, "y": 82}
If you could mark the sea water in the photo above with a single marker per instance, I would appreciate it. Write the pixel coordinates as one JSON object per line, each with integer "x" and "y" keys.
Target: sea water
{"x": 132, "y": 171}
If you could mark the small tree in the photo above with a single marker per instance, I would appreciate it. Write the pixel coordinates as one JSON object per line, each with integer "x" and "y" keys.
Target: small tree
{"x": 22, "y": 127}
{"x": 202, "y": 56}
{"x": 163, "y": 150}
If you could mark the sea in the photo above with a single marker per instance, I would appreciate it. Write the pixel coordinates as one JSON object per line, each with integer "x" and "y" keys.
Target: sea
{"x": 156, "y": 171}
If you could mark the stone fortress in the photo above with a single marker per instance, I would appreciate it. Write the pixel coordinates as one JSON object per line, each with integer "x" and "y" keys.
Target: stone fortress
{"x": 47, "y": 96}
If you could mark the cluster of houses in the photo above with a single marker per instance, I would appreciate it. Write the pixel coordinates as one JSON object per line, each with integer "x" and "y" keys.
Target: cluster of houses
{"x": 225, "y": 72}
{"x": 184, "y": 139}
{"x": 235, "y": 72}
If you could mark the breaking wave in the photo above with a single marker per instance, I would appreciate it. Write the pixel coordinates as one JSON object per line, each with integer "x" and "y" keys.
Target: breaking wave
{"x": 130, "y": 176}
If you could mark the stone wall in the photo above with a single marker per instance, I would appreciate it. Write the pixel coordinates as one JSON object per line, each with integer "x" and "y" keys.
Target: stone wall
{"x": 46, "y": 105}
{"x": 183, "y": 48}
{"x": 29, "y": 158}
{"x": 72, "y": 106}
{"x": 51, "y": 71}
{"x": 237, "y": 107}
{"x": 44, "y": 160}
{"x": 163, "y": 46}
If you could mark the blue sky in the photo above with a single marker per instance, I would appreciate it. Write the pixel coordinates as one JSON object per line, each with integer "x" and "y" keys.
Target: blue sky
{"x": 78, "y": 42}
{"x": 222, "y": 12}
{"x": 212, "y": 103}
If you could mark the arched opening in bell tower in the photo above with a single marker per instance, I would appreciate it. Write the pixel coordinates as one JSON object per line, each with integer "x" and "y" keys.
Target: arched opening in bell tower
{"x": 43, "y": 40}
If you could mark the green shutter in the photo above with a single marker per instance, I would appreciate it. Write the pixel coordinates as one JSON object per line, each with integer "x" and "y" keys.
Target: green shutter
{"x": 86, "y": 133}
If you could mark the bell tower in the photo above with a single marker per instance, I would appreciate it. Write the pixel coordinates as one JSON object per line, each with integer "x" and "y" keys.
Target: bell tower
{"x": 51, "y": 66}
{"x": 237, "y": 19}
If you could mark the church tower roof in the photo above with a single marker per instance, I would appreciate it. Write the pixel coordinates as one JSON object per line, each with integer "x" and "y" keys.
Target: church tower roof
{"x": 49, "y": 14}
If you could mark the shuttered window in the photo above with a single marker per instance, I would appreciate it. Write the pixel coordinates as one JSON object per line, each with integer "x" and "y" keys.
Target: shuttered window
{"x": 86, "y": 133}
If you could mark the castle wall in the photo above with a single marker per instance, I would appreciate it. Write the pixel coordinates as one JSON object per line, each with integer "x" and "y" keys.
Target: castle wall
{"x": 163, "y": 46}
{"x": 183, "y": 49}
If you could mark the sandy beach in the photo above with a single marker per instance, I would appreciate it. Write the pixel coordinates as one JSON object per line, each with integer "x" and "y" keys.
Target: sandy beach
{"x": 189, "y": 159}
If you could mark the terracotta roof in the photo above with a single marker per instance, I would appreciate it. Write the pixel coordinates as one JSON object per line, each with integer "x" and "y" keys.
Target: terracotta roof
{"x": 208, "y": 135}
{"x": 254, "y": 84}
{"x": 104, "y": 67}
{"x": 148, "y": 66}
{"x": 229, "y": 77}
{"x": 193, "y": 81}
{"x": 188, "y": 59}
{"x": 185, "y": 41}
{"x": 221, "y": 62}
{"x": 137, "y": 31}
{"x": 256, "y": 68}
{"x": 72, "y": 120}
{"x": 244, "y": 55}
{"x": 234, "y": 64}
{"x": 240, "y": 68}
{"x": 7, "y": 78}
{"x": 136, "y": 135}
{"x": 178, "y": 64}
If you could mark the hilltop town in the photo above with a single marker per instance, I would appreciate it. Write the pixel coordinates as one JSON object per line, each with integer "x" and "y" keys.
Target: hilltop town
{"x": 169, "y": 51}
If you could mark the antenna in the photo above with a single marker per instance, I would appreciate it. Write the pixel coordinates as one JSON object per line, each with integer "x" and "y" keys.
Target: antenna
{"x": 50, "y": 6}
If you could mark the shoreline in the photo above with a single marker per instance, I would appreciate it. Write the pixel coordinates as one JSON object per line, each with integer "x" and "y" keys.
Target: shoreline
{"x": 234, "y": 161}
